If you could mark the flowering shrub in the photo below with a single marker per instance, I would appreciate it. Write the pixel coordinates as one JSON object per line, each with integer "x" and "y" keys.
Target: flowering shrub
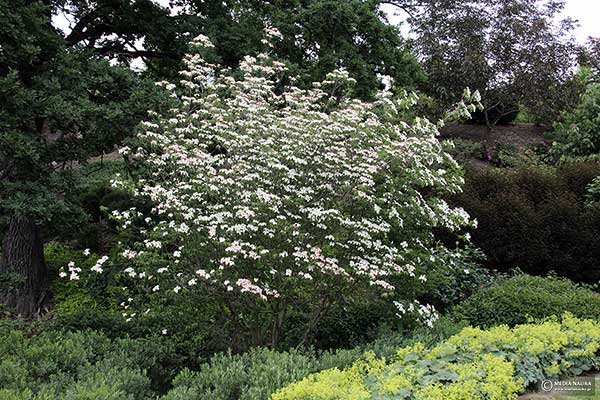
{"x": 272, "y": 197}
{"x": 494, "y": 364}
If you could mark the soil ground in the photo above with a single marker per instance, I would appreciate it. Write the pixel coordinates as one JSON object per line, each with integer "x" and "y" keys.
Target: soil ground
{"x": 519, "y": 135}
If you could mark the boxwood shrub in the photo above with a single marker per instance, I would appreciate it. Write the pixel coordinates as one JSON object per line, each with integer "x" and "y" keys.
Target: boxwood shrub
{"x": 516, "y": 300}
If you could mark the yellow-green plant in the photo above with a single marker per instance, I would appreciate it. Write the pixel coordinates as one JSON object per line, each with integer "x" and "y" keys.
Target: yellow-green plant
{"x": 493, "y": 364}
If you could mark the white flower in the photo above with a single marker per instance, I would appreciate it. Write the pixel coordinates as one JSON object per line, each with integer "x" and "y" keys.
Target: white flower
{"x": 96, "y": 268}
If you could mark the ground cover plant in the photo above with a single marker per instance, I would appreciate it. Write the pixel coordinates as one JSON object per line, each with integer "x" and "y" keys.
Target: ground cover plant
{"x": 493, "y": 364}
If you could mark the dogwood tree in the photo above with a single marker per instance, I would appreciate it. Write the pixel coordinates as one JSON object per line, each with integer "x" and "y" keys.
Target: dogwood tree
{"x": 264, "y": 194}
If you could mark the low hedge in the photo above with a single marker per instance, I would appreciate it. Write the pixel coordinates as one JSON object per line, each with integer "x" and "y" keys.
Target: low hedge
{"x": 494, "y": 364}
{"x": 536, "y": 218}
{"x": 83, "y": 365}
{"x": 257, "y": 374}
{"x": 516, "y": 300}
{"x": 38, "y": 363}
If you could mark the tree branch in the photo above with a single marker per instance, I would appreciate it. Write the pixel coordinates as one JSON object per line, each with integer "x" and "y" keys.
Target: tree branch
{"x": 136, "y": 53}
{"x": 77, "y": 34}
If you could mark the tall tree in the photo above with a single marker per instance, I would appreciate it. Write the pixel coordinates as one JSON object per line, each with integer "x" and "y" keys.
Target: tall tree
{"x": 512, "y": 51}
{"x": 318, "y": 36}
{"x": 590, "y": 55}
{"x": 61, "y": 102}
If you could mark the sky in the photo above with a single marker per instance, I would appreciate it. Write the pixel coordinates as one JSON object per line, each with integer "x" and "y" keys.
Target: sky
{"x": 588, "y": 14}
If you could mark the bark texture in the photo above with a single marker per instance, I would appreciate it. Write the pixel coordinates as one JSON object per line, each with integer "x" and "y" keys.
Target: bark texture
{"x": 23, "y": 256}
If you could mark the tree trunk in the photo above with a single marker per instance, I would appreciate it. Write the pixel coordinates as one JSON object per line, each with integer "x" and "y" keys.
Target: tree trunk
{"x": 487, "y": 120}
{"x": 23, "y": 257}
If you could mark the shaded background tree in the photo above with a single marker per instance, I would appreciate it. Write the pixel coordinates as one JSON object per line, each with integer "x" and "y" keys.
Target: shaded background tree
{"x": 512, "y": 51}
{"x": 589, "y": 56}
{"x": 62, "y": 102}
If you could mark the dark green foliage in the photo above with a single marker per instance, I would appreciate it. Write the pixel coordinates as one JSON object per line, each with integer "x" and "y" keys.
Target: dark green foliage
{"x": 318, "y": 36}
{"x": 59, "y": 107}
{"x": 73, "y": 366}
{"x": 61, "y": 103}
{"x": 500, "y": 113}
{"x": 448, "y": 287}
{"x": 535, "y": 218}
{"x": 577, "y": 176}
{"x": 350, "y": 34}
{"x": 515, "y": 300}
{"x": 502, "y": 155}
{"x": 463, "y": 150}
{"x": 592, "y": 194}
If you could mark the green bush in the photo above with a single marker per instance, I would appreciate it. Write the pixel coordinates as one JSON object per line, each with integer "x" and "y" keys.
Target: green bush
{"x": 535, "y": 218}
{"x": 83, "y": 365}
{"x": 502, "y": 155}
{"x": 496, "y": 364}
{"x": 592, "y": 195}
{"x": 257, "y": 374}
{"x": 253, "y": 375}
{"x": 515, "y": 300}
{"x": 463, "y": 149}
{"x": 578, "y": 135}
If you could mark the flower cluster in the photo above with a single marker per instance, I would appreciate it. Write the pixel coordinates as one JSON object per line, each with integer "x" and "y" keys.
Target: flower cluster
{"x": 259, "y": 188}
{"x": 424, "y": 313}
